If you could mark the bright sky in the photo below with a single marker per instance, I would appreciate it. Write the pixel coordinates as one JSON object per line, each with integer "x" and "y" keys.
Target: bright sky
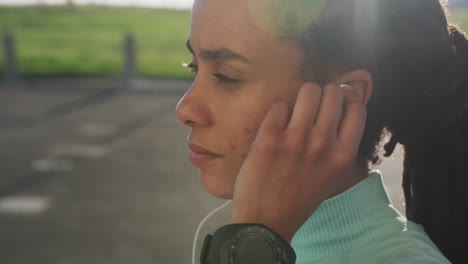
{"x": 148, "y": 3}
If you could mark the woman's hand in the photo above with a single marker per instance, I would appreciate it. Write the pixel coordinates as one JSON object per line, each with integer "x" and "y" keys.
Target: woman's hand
{"x": 294, "y": 165}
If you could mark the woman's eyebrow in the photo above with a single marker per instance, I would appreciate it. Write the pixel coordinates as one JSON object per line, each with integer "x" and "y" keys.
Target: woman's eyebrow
{"x": 221, "y": 54}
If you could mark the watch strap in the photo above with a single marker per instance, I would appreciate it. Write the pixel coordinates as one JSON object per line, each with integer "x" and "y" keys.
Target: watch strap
{"x": 220, "y": 248}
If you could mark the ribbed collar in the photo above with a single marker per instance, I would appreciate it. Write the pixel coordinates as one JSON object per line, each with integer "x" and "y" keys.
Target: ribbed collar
{"x": 348, "y": 221}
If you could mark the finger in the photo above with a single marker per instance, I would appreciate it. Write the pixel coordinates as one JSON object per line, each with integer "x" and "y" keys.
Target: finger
{"x": 330, "y": 111}
{"x": 276, "y": 119}
{"x": 306, "y": 107}
{"x": 352, "y": 126}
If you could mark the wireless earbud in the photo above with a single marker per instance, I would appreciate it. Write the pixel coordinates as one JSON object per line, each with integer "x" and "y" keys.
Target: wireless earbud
{"x": 346, "y": 87}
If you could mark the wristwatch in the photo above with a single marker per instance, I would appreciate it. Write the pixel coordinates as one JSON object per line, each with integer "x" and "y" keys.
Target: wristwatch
{"x": 246, "y": 244}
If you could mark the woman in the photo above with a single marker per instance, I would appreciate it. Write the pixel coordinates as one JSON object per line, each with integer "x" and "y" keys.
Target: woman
{"x": 291, "y": 101}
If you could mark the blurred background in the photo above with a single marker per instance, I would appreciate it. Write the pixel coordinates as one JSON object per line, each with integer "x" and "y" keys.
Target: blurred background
{"x": 93, "y": 162}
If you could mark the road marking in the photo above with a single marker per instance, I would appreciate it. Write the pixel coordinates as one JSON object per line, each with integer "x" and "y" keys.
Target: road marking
{"x": 79, "y": 151}
{"x": 97, "y": 129}
{"x": 24, "y": 205}
{"x": 52, "y": 165}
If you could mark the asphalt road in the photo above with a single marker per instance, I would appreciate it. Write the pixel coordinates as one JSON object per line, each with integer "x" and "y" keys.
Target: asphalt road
{"x": 95, "y": 173}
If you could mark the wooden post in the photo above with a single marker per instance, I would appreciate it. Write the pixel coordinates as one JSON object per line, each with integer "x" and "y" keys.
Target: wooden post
{"x": 11, "y": 71}
{"x": 129, "y": 60}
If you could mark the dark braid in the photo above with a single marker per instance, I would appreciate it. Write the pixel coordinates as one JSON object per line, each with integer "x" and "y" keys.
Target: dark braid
{"x": 441, "y": 203}
{"x": 420, "y": 68}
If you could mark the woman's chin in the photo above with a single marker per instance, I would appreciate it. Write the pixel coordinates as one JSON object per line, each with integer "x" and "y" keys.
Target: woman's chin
{"x": 217, "y": 186}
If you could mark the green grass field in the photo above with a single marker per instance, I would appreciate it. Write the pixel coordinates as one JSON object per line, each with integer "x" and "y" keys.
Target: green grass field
{"x": 89, "y": 40}
{"x": 460, "y": 18}
{"x": 67, "y": 40}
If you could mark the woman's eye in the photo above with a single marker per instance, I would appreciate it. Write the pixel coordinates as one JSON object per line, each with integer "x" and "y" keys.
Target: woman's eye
{"x": 225, "y": 79}
{"x": 222, "y": 78}
{"x": 192, "y": 67}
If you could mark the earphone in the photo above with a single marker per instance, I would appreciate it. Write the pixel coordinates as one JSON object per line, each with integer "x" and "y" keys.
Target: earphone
{"x": 194, "y": 248}
{"x": 346, "y": 87}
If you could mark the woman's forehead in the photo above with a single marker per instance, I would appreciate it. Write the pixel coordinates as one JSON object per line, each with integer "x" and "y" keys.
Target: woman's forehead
{"x": 227, "y": 24}
{"x": 281, "y": 18}
{"x": 285, "y": 18}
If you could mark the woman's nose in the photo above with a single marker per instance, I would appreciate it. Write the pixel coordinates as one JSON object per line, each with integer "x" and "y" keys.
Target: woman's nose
{"x": 192, "y": 109}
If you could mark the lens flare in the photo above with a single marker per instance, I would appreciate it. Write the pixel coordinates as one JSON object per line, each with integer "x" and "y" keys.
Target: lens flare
{"x": 285, "y": 18}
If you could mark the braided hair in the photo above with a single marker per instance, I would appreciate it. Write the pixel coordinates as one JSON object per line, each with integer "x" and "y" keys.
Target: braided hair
{"x": 420, "y": 68}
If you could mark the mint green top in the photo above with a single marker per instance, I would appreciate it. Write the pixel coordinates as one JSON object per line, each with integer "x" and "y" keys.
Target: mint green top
{"x": 361, "y": 226}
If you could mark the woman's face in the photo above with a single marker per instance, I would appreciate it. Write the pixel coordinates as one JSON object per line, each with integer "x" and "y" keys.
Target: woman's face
{"x": 241, "y": 71}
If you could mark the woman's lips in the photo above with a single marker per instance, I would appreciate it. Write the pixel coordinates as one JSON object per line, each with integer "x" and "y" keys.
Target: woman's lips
{"x": 199, "y": 155}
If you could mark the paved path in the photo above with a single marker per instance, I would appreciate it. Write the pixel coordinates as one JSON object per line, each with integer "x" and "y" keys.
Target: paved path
{"x": 93, "y": 173}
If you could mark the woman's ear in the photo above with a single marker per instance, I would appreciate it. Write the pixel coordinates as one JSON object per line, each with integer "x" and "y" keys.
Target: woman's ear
{"x": 359, "y": 85}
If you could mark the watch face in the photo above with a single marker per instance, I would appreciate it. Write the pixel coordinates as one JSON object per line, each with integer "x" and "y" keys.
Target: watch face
{"x": 255, "y": 244}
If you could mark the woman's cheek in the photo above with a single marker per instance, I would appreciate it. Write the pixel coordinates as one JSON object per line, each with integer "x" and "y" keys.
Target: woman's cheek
{"x": 248, "y": 136}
